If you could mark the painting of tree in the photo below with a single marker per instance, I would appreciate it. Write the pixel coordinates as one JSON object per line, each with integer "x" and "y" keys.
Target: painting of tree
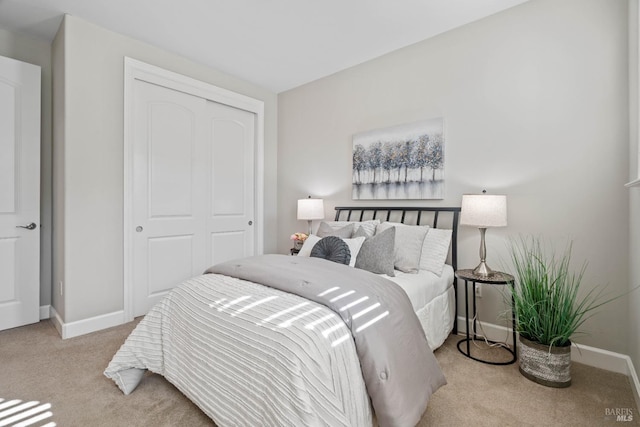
{"x": 400, "y": 162}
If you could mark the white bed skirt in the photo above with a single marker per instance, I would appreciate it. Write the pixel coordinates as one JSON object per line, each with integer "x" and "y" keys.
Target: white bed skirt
{"x": 437, "y": 318}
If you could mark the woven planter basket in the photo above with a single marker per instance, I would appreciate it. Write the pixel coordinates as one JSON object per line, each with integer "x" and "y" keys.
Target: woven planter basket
{"x": 549, "y": 366}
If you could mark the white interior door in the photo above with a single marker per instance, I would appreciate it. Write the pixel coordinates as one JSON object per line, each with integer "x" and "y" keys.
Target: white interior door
{"x": 168, "y": 191}
{"x": 19, "y": 193}
{"x": 193, "y": 188}
{"x": 231, "y": 136}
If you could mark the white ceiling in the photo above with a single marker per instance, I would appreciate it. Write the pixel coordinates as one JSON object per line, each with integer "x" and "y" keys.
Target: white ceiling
{"x": 277, "y": 44}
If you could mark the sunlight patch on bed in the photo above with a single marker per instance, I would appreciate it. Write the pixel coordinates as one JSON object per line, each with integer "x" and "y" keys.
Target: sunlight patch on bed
{"x": 365, "y": 311}
{"x": 220, "y": 301}
{"x": 328, "y": 291}
{"x": 282, "y": 313}
{"x": 319, "y": 321}
{"x": 289, "y": 322}
{"x": 254, "y": 304}
{"x": 353, "y": 303}
{"x": 223, "y": 304}
{"x": 341, "y": 340}
{"x": 15, "y": 413}
{"x": 333, "y": 328}
{"x": 372, "y": 321}
{"x": 234, "y": 302}
{"x": 344, "y": 295}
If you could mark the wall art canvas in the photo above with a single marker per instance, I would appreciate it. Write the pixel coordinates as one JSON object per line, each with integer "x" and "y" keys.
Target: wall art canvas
{"x": 400, "y": 162}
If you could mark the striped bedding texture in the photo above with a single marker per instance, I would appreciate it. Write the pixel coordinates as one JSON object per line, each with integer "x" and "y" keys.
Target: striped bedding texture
{"x": 248, "y": 355}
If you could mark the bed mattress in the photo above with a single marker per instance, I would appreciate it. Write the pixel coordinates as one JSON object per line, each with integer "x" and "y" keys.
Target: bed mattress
{"x": 423, "y": 287}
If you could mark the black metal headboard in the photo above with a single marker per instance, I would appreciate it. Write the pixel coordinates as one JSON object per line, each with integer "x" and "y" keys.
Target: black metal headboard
{"x": 414, "y": 215}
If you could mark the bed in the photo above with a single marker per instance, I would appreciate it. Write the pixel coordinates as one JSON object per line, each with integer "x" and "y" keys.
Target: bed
{"x": 297, "y": 349}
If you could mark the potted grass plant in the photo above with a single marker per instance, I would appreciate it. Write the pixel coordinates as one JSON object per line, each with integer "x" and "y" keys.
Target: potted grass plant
{"x": 549, "y": 309}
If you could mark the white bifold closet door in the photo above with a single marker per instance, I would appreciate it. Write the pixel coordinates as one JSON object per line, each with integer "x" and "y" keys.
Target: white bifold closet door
{"x": 193, "y": 188}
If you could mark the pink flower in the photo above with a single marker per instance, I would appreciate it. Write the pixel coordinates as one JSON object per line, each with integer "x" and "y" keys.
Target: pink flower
{"x": 299, "y": 236}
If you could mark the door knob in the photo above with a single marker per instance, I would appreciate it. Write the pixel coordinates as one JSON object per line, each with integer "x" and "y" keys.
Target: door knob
{"x": 139, "y": 229}
{"x": 31, "y": 226}
{"x": 250, "y": 222}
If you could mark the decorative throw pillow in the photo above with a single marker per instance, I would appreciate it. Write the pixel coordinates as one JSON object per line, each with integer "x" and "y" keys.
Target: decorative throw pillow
{"x": 345, "y": 232}
{"x": 332, "y": 248}
{"x": 408, "y": 245}
{"x": 376, "y": 254}
{"x": 435, "y": 250}
{"x": 308, "y": 245}
{"x": 353, "y": 244}
{"x": 369, "y": 226}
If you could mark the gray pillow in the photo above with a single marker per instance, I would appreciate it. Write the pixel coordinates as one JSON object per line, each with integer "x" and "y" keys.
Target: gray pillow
{"x": 369, "y": 225}
{"x": 408, "y": 245}
{"x": 376, "y": 254}
{"x": 332, "y": 248}
{"x": 345, "y": 232}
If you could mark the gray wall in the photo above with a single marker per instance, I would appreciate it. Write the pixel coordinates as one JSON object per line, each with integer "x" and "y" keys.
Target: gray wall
{"x": 92, "y": 210}
{"x": 634, "y": 193}
{"x": 535, "y": 107}
{"x": 38, "y": 51}
{"x": 57, "y": 65}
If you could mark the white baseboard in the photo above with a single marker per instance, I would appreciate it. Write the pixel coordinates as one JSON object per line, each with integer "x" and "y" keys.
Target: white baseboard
{"x": 86, "y": 326}
{"x": 591, "y": 356}
{"x": 603, "y": 359}
{"x": 45, "y": 312}
{"x": 633, "y": 379}
{"x": 492, "y": 332}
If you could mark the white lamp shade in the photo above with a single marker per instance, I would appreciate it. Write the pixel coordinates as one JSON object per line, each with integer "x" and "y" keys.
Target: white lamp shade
{"x": 484, "y": 210}
{"x": 310, "y": 209}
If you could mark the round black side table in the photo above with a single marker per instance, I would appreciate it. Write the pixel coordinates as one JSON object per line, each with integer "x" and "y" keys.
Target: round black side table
{"x": 497, "y": 278}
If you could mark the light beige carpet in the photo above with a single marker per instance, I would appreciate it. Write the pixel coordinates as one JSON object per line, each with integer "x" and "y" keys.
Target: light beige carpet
{"x": 35, "y": 364}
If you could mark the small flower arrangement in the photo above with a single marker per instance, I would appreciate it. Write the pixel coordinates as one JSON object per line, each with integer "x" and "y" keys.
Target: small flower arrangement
{"x": 299, "y": 236}
{"x": 298, "y": 239}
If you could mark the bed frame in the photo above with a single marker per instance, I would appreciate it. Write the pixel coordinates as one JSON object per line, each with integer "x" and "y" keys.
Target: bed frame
{"x": 412, "y": 215}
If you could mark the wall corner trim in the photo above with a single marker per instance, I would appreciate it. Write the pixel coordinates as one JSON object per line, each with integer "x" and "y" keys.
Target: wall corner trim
{"x": 45, "y": 312}
{"x": 86, "y": 326}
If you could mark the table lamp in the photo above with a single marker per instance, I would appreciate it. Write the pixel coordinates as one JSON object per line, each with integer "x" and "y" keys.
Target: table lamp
{"x": 483, "y": 211}
{"x": 310, "y": 209}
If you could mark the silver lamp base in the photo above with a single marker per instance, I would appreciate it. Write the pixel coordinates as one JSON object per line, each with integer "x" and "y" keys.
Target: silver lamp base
{"x": 483, "y": 270}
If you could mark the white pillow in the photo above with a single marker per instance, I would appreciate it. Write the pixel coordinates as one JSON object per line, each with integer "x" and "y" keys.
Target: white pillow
{"x": 408, "y": 245}
{"x": 369, "y": 226}
{"x": 435, "y": 250}
{"x": 354, "y": 247}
